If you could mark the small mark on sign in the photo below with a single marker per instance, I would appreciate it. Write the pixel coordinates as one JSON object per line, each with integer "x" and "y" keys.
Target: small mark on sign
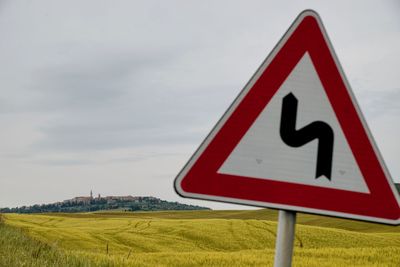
{"x": 342, "y": 172}
{"x": 259, "y": 161}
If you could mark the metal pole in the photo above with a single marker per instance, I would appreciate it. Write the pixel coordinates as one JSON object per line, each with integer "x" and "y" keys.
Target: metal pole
{"x": 285, "y": 238}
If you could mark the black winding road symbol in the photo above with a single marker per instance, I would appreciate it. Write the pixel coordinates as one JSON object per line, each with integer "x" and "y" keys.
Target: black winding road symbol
{"x": 315, "y": 130}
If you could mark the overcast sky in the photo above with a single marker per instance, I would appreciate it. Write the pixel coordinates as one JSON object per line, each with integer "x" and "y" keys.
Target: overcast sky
{"x": 115, "y": 96}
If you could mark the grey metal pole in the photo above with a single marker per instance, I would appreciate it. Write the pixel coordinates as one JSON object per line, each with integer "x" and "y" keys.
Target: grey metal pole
{"x": 285, "y": 238}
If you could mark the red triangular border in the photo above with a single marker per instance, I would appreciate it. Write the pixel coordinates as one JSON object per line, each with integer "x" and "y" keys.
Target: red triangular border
{"x": 199, "y": 178}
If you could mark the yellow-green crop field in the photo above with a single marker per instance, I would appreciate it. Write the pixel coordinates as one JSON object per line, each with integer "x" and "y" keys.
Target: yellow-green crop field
{"x": 190, "y": 238}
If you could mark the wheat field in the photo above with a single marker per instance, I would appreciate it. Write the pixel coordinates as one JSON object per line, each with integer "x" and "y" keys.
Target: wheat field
{"x": 191, "y": 238}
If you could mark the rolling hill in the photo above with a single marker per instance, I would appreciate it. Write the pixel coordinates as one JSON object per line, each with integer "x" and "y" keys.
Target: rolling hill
{"x": 89, "y": 204}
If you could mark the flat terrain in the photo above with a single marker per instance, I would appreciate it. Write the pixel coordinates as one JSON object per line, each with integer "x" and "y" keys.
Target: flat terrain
{"x": 192, "y": 238}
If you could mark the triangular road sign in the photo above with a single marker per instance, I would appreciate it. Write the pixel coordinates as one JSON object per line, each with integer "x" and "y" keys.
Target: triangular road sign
{"x": 295, "y": 139}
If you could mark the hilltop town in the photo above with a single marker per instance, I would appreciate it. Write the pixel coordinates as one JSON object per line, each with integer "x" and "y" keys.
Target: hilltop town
{"x": 109, "y": 199}
{"x": 91, "y": 203}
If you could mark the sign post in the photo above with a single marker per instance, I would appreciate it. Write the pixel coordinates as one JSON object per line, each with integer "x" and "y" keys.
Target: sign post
{"x": 295, "y": 139}
{"x": 285, "y": 238}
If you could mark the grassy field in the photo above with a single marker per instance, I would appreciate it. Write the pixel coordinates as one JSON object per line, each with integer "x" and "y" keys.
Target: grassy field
{"x": 190, "y": 238}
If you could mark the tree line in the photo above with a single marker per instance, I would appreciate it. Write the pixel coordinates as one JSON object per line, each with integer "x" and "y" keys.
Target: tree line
{"x": 144, "y": 204}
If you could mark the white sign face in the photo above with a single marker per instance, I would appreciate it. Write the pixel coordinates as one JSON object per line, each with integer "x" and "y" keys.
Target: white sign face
{"x": 262, "y": 153}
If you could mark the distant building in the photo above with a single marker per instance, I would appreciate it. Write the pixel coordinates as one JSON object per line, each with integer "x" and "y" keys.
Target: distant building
{"x": 83, "y": 199}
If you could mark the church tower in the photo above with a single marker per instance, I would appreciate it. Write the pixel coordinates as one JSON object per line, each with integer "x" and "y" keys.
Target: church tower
{"x": 91, "y": 194}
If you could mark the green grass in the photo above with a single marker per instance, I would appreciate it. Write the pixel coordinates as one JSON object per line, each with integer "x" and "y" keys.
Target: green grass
{"x": 193, "y": 238}
{"x": 18, "y": 249}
